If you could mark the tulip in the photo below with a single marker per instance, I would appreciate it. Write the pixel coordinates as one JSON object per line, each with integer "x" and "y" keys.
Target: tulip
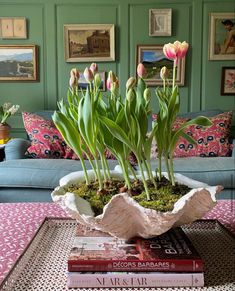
{"x": 164, "y": 73}
{"x": 130, "y": 84}
{"x": 175, "y": 51}
{"x": 88, "y": 75}
{"x": 147, "y": 94}
{"x": 94, "y": 68}
{"x": 97, "y": 80}
{"x": 74, "y": 76}
{"x": 111, "y": 80}
{"x": 141, "y": 71}
{"x": 130, "y": 96}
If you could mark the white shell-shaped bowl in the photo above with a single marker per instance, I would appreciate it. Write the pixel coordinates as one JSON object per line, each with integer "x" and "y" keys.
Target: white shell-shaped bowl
{"x": 125, "y": 218}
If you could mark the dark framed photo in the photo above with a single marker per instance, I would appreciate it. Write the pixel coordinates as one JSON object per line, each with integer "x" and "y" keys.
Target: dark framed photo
{"x": 89, "y": 42}
{"x": 82, "y": 82}
{"x": 228, "y": 81}
{"x": 153, "y": 59}
{"x": 18, "y": 63}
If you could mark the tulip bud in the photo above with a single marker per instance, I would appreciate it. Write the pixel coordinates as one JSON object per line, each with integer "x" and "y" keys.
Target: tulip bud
{"x": 141, "y": 71}
{"x": 147, "y": 94}
{"x": 112, "y": 79}
{"x": 88, "y": 75}
{"x": 97, "y": 80}
{"x": 130, "y": 84}
{"x": 74, "y": 76}
{"x": 164, "y": 73}
{"x": 94, "y": 68}
{"x": 130, "y": 95}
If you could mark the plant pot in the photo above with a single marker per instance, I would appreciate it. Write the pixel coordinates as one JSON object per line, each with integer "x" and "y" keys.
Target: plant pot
{"x": 125, "y": 218}
{"x": 4, "y": 131}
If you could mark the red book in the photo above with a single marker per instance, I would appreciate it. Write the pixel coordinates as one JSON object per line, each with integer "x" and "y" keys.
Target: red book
{"x": 95, "y": 251}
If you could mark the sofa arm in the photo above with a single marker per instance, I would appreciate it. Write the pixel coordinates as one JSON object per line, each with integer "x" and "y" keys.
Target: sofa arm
{"x": 16, "y": 148}
{"x": 233, "y": 151}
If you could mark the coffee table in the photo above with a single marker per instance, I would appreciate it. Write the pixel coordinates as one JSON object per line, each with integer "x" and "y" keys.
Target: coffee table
{"x": 20, "y": 221}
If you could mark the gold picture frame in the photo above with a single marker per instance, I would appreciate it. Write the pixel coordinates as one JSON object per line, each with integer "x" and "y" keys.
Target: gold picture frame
{"x": 160, "y": 22}
{"x": 13, "y": 27}
{"x": 222, "y": 32}
{"x": 228, "y": 81}
{"x": 18, "y": 63}
{"x": 89, "y": 42}
{"x": 152, "y": 57}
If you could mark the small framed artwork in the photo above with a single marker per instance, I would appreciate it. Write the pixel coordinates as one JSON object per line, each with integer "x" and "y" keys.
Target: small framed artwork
{"x": 89, "y": 42}
{"x": 13, "y": 27}
{"x": 82, "y": 82}
{"x": 222, "y": 36}
{"x": 228, "y": 81}
{"x": 160, "y": 22}
{"x": 153, "y": 58}
{"x": 18, "y": 63}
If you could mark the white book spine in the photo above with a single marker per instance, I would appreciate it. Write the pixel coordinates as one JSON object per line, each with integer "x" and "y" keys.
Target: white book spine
{"x": 151, "y": 279}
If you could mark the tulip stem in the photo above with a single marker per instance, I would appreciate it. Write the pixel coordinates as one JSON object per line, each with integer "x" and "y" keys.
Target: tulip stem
{"x": 174, "y": 73}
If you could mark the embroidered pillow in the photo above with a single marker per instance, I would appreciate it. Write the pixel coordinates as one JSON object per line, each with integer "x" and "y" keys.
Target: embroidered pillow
{"x": 211, "y": 141}
{"x": 46, "y": 140}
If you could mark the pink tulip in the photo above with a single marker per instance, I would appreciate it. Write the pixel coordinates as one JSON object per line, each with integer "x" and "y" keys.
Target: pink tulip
{"x": 112, "y": 81}
{"x": 141, "y": 71}
{"x": 94, "y": 68}
{"x": 88, "y": 75}
{"x": 74, "y": 76}
{"x": 175, "y": 51}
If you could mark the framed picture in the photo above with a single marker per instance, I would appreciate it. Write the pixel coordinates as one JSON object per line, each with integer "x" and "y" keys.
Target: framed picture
{"x": 89, "y": 42}
{"x": 153, "y": 59}
{"x": 160, "y": 22}
{"x": 82, "y": 83}
{"x": 222, "y": 36}
{"x": 228, "y": 81}
{"x": 18, "y": 63}
{"x": 13, "y": 27}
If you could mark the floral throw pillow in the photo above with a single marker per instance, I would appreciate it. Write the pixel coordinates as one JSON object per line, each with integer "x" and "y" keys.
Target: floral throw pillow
{"x": 211, "y": 141}
{"x": 46, "y": 140}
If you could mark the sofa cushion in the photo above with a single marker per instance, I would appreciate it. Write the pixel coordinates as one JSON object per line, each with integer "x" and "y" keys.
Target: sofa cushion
{"x": 46, "y": 140}
{"x": 39, "y": 173}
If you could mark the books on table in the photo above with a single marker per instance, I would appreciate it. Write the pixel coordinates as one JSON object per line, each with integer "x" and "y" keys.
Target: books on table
{"x": 100, "y": 260}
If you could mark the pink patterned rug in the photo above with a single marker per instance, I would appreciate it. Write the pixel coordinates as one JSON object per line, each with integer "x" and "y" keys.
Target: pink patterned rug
{"x": 19, "y": 222}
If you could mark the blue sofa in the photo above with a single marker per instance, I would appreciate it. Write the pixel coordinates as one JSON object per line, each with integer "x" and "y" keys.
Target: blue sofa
{"x": 25, "y": 179}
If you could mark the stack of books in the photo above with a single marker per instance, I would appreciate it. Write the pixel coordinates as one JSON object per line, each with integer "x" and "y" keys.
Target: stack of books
{"x": 99, "y": 260}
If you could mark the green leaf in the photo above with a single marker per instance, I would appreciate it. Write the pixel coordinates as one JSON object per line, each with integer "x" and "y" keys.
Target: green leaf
{"x": 68, "y": 131}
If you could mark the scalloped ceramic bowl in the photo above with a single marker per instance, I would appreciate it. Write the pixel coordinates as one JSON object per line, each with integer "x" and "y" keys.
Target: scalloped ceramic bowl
{"x": 125, "y": 218}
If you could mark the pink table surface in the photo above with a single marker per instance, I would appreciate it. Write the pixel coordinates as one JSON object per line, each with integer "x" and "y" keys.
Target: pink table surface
{"x": 19, "y": 222}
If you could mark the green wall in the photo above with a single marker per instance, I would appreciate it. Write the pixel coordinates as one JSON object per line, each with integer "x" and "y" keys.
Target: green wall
{"x": 45, "y": 20}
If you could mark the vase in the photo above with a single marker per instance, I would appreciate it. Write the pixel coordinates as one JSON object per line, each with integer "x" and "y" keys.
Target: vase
{"x": 4, "y": 132}
{"x": 125, "y": 218}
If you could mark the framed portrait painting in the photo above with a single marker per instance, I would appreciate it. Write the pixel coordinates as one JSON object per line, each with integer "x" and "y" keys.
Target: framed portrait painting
{"x": 18, "y": 63}
{"x": 152, "y": 57}
{"x": 228, "y": 81}
{"x": 222, "y": 36}
{"x": 89, "y": 42}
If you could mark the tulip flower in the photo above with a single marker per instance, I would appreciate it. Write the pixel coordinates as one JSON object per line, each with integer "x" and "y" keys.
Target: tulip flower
{"x": 130, "y": 84}
{"x": 164, "y": 73}
{"x": 147, "y": 94}
{"x": 88, "y": 75}
{"x": 141, "y": 71}
{"x": 175, "y": 51}
{"x": 94, "y": 68}
{"x": 74, "y": 76}
{"x": 112, "y": 82}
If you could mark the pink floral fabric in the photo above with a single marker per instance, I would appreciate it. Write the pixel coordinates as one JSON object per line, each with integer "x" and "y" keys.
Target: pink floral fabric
{"x": 211, "y": 141}
{"x": 46, "y": 140}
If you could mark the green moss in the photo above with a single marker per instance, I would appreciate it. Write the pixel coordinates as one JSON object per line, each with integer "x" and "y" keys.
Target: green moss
{"x": 162, "y": 198}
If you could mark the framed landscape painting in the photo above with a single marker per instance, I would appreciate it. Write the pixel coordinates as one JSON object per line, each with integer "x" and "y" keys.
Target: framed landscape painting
{"x": 228, "y": 81}
{"x": 18, "y": 63}
{"x": 222, "y": 36}
{"x": 82, "y": 83}
{"x": 89, "y": 42}
{"x": 152, "y": 57}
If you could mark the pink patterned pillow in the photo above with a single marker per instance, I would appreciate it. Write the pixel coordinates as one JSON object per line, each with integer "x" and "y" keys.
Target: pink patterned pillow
{"x": 211, "y": 141}
{"x": 46, "y": 140}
